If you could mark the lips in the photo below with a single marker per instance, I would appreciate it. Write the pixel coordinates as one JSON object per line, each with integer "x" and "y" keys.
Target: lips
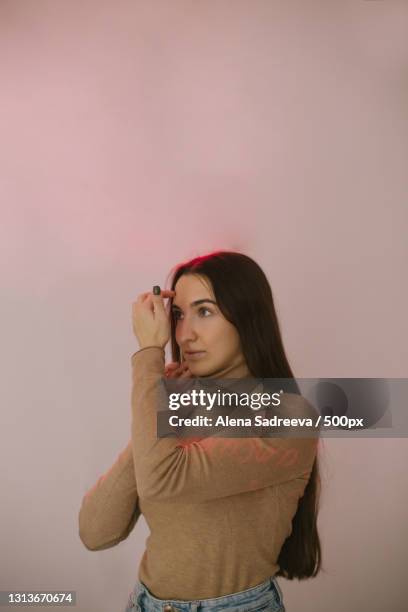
{"x": 194, "y": 354}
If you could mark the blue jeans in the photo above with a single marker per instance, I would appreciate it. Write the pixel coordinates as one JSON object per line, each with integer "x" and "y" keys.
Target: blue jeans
{"x": 266, "y": 596}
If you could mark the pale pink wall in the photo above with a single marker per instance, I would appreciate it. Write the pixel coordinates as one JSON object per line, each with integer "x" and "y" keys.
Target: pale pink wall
{"x": 135, "y": 134}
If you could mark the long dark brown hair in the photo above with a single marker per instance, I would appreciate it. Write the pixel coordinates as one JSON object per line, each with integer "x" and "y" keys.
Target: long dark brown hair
{"x": 244, "y": 296}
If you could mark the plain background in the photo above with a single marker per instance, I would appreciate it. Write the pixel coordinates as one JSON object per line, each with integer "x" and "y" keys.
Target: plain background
{"x": 137, "y": 134}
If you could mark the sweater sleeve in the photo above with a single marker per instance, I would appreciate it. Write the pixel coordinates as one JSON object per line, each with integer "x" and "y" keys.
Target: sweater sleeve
{"x": 174, "y": 469}
{"x": 110, "y": 509}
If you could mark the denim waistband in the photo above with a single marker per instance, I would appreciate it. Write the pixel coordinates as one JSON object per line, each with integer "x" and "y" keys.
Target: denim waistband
{"x": 268, "y": 592}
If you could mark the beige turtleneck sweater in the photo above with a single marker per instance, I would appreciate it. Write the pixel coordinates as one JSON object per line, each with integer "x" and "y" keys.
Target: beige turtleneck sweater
{"x": 218, "y": 509}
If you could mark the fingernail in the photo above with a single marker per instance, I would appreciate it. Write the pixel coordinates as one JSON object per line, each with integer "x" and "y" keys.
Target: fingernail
{"x": 156, "y": 290}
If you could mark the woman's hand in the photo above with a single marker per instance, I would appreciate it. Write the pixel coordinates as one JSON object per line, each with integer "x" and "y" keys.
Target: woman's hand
{"x": 177, "y": 370}
{"x": 151, "y": 325}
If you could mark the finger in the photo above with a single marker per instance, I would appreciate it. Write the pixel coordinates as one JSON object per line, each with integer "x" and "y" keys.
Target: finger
{"x": 175, "y": 373}
{"x": 170, "y": 369}
{"x": 163, "y": 293}
{"x": 166, "y": 293}
{"x": 142, "y": 296}
{"x": 178, "y": 372}
{"x": 172, "y": 365}
{"x": 186, "y": 374}
{"x": 147, "y": 302}
{"x": 157, "y": 302}
{"x": 158, "y": 299}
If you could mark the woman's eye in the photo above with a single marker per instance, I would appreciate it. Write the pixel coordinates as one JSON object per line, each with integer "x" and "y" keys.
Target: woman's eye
{"x": 204, "y": 308}
{"x": 177, "y": 313}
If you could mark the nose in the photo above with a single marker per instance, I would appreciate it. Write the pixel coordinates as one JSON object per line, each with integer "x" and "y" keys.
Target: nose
{"x": 186, "y": 332}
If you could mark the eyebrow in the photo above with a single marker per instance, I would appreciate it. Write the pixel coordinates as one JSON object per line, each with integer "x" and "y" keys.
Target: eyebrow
{"x": 195, "y": 303}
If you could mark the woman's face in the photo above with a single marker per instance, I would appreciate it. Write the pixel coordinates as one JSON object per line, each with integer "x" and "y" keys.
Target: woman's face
{"x": 202, "y": 327}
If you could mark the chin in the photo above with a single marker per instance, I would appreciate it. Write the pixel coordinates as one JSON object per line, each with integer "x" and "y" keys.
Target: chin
{"x": 200, "y": 369}
{"x": 208, "y": 372}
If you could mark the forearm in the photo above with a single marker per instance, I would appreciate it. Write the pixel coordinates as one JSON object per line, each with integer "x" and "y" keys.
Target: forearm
{"x": 110, "y": 509}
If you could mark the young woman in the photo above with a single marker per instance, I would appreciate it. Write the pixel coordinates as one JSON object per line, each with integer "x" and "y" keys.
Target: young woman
{"x": 227, "y": 517}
